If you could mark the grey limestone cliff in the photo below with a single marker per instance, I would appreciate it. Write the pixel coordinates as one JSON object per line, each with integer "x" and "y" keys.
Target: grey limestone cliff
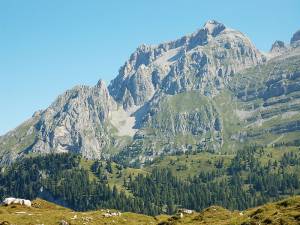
{"x": 200, "y": 61}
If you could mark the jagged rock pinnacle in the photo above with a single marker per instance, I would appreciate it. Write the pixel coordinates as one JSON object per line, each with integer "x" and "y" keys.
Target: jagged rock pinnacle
{"x": 296, "y": 37}
{"x": 213, "y": 27}
{"x": 277, "y": 47}
{"x": 101, "y": 84}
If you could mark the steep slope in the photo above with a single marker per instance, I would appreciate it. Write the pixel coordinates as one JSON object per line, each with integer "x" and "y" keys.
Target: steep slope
{"x": 76, "y": 122}
{"x": 83, "y": 120}
{"x": 16, "y": 142}
{"x": 268, "y": 100}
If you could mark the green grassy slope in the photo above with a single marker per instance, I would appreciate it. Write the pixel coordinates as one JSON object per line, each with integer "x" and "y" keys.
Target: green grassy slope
{"x": 283, "y": 212}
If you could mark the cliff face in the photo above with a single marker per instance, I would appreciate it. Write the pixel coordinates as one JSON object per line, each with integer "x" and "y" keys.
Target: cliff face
{"x": 77, "y": 122}
{"x": 201, "y": 61}
{"x": 269, "y": 99}
{"x": 257, "y": 102}
{"x": 83, "y": 120}
{"x": 211, "y": 90}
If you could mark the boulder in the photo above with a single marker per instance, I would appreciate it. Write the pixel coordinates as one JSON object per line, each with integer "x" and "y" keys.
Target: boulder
{"x": 63, "y": 222}
{"x": 17, "y": 201}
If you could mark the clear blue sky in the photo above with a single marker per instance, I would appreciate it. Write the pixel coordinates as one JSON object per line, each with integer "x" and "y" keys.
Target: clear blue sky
{"x": 48, "y": 46}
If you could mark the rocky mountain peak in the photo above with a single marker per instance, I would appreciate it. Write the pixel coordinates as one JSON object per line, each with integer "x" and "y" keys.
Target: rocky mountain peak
{"x": 102, "y": 90}
{"x": 278, "y": 47}
{"x": 101, "y": 84}
{"x": 213, "y": 27}
{"x": 201, "y": 61}
{"x": 295, "y": 40}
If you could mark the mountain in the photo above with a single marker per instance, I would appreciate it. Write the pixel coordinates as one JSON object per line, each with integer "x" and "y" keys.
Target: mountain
{"x": 211, "y": 90}
{"x": 200, "y": 61}
{"x": 282, "y": 212}
{"x": 77, "y": 122}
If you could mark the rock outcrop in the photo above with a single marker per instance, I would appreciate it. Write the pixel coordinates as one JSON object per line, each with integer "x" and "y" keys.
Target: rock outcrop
{"x": 76, "y": 122}
{"x": 83, "y": 120}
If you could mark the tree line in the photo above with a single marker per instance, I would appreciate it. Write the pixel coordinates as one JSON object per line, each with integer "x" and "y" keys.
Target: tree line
{"x": 246, "y": 182}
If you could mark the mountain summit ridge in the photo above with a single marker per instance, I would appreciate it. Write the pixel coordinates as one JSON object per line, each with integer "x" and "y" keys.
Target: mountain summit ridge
{"x": 150, "y": 66}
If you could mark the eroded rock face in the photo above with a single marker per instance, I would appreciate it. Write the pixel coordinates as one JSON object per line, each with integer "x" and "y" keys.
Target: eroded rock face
{"x": 201, "y": 61}
{"x": 76, "y": 122}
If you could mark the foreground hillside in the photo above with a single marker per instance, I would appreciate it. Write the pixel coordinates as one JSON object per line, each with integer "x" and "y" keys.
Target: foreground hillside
{"x": 283, "y": 212}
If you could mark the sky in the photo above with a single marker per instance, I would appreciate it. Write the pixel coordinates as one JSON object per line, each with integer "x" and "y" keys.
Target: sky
{"x": 49, "y": 46}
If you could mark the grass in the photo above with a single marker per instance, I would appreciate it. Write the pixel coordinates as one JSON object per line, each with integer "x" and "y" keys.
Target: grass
{"x": 86, "y": 164}
{"x": 184, "y": 166}
{"x": 188, "y": 101}
{"x": 117, "y": 177}
{"x": 47, "y": 213}
{"x": 285, "y": 212}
